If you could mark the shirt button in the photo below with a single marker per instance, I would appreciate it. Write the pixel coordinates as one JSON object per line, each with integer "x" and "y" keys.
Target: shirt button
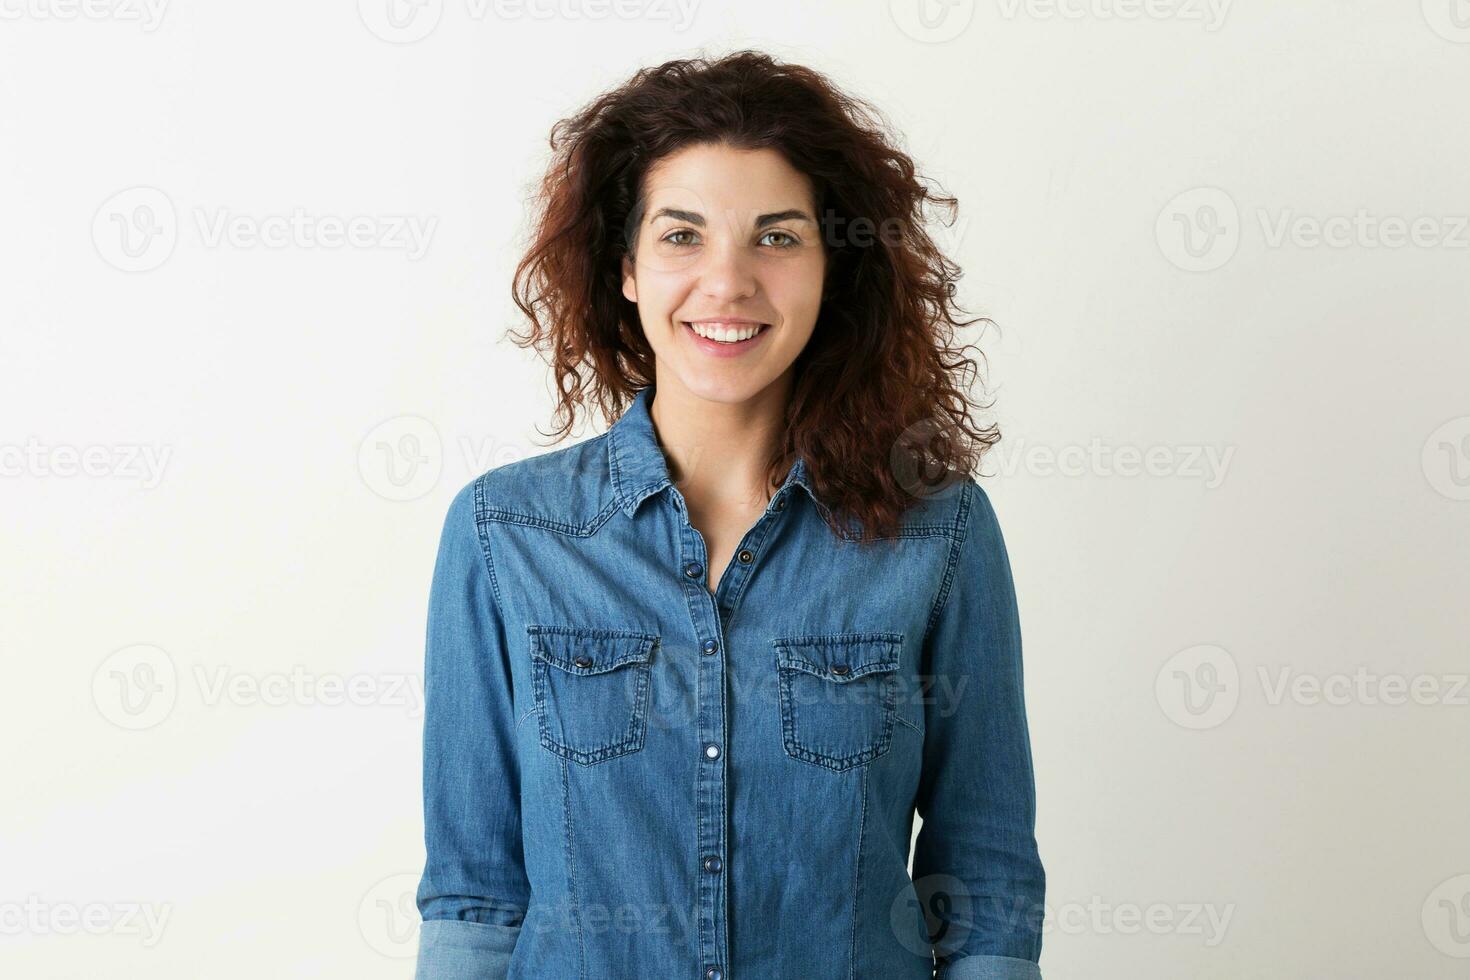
{"x": 713, "y": 973}
{"x": 781, "y": 504}
{"x": 840, "y": 669}
{"x": 712, "y": 751}
{"x": 712, "y": 863}
{"x": 583, "y": 661}
{"x": 710, "y": 646}
{"x": 746, "y": 556}
{"x": 693, "y": 569}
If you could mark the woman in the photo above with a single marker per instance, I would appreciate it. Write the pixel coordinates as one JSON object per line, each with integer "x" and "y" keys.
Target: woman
{"x": 689, "y": 681}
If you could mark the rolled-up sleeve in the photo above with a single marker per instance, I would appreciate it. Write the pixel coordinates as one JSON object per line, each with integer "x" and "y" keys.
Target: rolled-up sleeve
{"x": 474, "y": 893}
{"x": 977, "y": 799}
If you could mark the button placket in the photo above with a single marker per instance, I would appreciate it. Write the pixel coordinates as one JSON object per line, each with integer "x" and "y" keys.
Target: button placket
{"x": 710, "y": 720}
{"x": 710, "y": 613}
{"x": 737, "y": 573}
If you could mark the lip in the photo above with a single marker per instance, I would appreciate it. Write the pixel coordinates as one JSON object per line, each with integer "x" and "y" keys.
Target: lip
{"x": 717, "y": 349}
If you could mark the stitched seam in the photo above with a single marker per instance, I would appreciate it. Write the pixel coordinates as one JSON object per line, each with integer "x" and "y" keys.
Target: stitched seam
{"x": 483, "y": 537}
{"x": 566, "y": 807}
{"x": 815, "y": 639}
{"x": 688, "y": 538}
{"x": 722, "y": 881}
{"x": 917, "y": 531}
{"x": 484, "y": 513}
{"x": 615, "y": 468}
{"x": 538, "y": 701}
{"x": 857, "y": 874}
{"x": 904, "y": 721}
{"x": 857, "y": 673}
{"x": 586, "y": 530}
{"x": 591, "y": 632}
{"x": 961, "y": 533}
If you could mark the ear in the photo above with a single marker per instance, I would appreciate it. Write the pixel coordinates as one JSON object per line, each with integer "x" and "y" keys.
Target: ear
{"x": 630, "y": 284}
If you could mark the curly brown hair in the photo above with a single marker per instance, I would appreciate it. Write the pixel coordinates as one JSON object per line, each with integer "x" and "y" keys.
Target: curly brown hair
{"x": 880, "y": 408}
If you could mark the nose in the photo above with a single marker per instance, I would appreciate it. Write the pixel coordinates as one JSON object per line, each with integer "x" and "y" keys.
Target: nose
{"x": 726, "y": 274}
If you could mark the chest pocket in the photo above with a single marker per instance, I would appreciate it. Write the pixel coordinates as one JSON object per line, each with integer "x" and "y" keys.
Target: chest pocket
{"x": 837, "y": 693}
{"x": 590, "y": 688}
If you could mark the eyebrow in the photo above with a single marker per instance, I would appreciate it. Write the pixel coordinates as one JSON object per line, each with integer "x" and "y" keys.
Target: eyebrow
{"x": 695, "y": 218}
{"x": 792, "y": 215}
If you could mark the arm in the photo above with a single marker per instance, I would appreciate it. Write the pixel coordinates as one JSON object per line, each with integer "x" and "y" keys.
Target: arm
{"x": 474, "y": 892}
{"x": 976, "y": 794}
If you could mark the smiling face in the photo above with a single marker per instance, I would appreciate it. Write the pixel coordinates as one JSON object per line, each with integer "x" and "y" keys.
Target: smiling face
{"x": 727, "y": 269}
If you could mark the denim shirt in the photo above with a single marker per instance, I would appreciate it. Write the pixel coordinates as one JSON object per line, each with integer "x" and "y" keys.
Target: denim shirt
{"x": 628, "y": 776}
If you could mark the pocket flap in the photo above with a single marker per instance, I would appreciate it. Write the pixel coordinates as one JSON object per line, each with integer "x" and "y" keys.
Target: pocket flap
{"x": 840, "y": 657}
{"x": 579, "y": 650}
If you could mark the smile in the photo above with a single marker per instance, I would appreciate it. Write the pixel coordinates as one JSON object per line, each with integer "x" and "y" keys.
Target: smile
{"x": 726, "y": 331}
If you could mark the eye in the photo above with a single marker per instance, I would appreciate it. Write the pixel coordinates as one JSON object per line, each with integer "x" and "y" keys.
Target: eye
{"x": 784, "y": 239}
{"x": 673, "y": 237}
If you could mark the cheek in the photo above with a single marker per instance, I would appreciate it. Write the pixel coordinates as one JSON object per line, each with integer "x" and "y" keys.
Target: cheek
{"x": 797, "y": 288}
{"x": 661, "y": 292}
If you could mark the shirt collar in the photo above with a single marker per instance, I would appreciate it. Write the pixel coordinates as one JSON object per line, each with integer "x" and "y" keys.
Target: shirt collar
{"x": 638, "y": 467}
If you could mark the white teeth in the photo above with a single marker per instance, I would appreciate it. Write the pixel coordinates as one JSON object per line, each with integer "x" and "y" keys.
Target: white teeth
{"x": 725, "y": 333}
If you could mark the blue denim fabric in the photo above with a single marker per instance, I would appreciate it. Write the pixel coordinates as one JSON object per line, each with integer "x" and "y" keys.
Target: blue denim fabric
{"x": 626, "y": 776}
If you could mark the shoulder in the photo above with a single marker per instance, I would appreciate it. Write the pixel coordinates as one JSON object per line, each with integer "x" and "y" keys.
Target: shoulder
{"x": 952, "y": 512}
{"x": 980, "y": 547}
{"x": 566, "y": 489}
{"x": 978, "y": 567}
{"x": 973, "y": 526}
{"x": 979, "y": 513}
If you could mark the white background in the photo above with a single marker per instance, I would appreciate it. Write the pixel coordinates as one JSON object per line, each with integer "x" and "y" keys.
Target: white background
{"x": 273, "y": 432}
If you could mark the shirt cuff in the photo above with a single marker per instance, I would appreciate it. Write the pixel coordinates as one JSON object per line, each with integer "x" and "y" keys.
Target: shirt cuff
{"x": 459, "y": 949}
{"x": 989, "y": 968}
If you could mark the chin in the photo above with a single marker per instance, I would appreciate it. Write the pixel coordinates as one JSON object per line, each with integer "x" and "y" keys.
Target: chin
{"x": 729, "y": 389}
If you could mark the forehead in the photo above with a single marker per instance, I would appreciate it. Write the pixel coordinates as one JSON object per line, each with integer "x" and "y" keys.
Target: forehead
{"x": 709, "y": 177}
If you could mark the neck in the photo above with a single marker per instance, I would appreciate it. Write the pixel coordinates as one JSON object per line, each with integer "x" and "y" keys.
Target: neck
{"x": 718, "y": 451}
